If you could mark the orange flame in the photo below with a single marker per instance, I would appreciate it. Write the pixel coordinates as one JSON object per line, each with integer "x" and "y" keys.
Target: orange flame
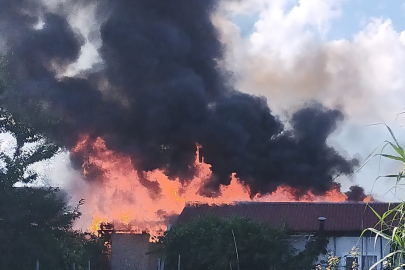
{"x": 97, "y": 221}
{"x": 120, "y": 197}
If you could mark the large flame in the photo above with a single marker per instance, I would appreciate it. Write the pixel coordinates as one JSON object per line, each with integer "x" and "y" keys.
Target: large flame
{"x": 119, "y": 196}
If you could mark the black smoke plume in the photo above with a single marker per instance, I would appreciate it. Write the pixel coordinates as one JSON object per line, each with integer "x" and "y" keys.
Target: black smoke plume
{"x": 356, "y": 194}
{"x": 158, "y": 93}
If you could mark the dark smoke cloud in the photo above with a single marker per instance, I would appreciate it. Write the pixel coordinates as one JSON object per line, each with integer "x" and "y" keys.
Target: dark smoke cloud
{"x": 160, "y": 59}
{"x": 356, "y": 194}
{"x": 153, "y": 186}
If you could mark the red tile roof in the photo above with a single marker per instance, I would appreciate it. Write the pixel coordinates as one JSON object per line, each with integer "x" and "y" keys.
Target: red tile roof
{"x": 298, "y": 216}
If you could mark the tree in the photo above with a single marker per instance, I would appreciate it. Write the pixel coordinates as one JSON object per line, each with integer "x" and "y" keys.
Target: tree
{"x": 31, "y": 147}
{"x": 37, "y": 223}
{"x": 234, "y": 243}
{"x": 16, "y": 165}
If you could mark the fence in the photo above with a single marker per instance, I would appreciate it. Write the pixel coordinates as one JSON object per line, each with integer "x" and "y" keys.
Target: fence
{"x": 37, "y": 266}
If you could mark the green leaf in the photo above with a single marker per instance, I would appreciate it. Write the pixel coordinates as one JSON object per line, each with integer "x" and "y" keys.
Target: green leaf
{"x": 393, "y": 157}
{"x": 392, "y": 176}
{"x": 392, "y": 135}
{"x": 398, "y": 149}
{"x": 379, "y": 233}
{"x": 385, "y": 258}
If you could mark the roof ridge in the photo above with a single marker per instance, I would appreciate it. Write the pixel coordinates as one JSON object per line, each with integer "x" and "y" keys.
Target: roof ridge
{"x": 194, "y": 204}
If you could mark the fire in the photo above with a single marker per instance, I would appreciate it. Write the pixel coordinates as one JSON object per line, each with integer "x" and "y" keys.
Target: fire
{"x": 97, "y": 221}
{"x": 120, "y": 197}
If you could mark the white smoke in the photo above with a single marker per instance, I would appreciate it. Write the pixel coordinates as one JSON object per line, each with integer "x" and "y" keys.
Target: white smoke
{"x": 287, "y": 58}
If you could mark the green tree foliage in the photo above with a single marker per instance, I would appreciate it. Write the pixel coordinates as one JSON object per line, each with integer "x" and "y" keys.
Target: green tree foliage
{"x": 30, "y": 149}
{"x": 31, "y": 146}
{"x": 37, "y": 223}
{"x": 207, "y": 243}
{"x": 305, "y": 258}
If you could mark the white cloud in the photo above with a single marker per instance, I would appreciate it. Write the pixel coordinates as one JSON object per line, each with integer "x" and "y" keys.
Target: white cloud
{"x": 82, "y": 18}
{"x": 288, "y": 54}
{"x": 288, "y": 59}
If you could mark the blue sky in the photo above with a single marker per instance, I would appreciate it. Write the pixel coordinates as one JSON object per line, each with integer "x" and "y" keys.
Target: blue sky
{"x": 358, "y": 66}
{"x": 355, "y": 14}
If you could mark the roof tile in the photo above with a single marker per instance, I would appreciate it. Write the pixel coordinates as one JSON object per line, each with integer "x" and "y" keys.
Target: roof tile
{"x": 298, "y": 216}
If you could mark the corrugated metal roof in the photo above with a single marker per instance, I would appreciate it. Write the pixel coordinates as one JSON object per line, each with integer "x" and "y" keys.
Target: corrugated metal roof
{"x": 298, "y": 216}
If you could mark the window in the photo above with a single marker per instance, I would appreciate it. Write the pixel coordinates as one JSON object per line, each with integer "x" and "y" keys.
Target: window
{"x": 350, "y": 262}
{"x": 367, "y": 261}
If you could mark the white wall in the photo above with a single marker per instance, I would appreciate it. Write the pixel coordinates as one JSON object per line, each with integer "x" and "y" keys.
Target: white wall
{"x": 130, "y": 251}
{"x": 341, "y": 247}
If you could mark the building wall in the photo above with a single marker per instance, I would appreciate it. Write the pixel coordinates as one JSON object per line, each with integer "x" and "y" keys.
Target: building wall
{"x": 341, "y": 247}
{"x": 133, "y": 252}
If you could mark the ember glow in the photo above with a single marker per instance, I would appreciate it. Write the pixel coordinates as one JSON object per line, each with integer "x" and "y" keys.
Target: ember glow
{"x": 121, "y": 198}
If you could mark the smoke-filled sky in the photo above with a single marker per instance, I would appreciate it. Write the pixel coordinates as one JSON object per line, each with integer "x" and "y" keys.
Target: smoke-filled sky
{"x": 154, "y": 78}
{"x": 346, "y": 54}
{"x": 356, "y": 65}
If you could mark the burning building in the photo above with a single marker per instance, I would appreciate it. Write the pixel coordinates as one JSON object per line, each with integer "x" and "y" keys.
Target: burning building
{"x": 135, "y": 251}
{"x": 341, "y": 224}
{"x": 134, "y": 121}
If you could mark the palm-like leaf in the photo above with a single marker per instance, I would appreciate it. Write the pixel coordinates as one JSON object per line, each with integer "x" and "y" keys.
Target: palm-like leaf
{"x": 391, "y": 225}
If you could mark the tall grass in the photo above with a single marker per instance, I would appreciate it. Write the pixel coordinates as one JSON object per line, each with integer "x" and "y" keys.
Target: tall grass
{"x": 391, "y": 225}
